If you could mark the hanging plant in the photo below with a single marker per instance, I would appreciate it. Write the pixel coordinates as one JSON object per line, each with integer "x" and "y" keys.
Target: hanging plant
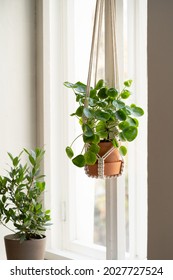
{"x": 106, "y": 118}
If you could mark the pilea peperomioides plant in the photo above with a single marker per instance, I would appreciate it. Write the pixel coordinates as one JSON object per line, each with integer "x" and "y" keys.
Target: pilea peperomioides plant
{"x": 20, "y": 196}
{"x": 107, "y": 117}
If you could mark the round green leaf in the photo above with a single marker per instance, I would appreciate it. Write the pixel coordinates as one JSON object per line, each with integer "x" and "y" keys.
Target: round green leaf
{"x": 112, "y": 92}
{"x": 79, "y": 111}
{"x": 125, "y": 94}
{"x": 80, "y": 87}
{"x": 69, "y": 85}
{"x": 79, "y": 97}
{"x": 127, "y": 110}
{"x": 90, "y": 158}
{"x": 123, "y": 150}
{"x": 101, "y": 129}
{"x": 102, "y": 94}
{"x": 102, "y": 116}
{"x": 101, "y": 126}
{"x": 123, "y": 125}
{"x": 120, "y": 115}
{"x": 121, "y": 136}
{"x": 136, "y": 122}
{"x": 137, "y": 111}
{"x": 93, "y": 93}
{"x": 87, "y": 139}
{"x": 130, "y": 133}
{"x": 96, "y": 139}
{"x": 118, "y": 104}
{"x": 87, "y": 131}
{"x": 99, "y": 84}
{"x": 92, "y": 102}
{"x": 69, "y": 152}
{"x": 102, "y": 104}
{"x": 94, "y": 148}
{"x": 79, "y": 161}
{"x": 133, "y": 121}
{"x": 115, "y": 143}
{"x": 88, "y": 113}
{"x": 128, "y": 83}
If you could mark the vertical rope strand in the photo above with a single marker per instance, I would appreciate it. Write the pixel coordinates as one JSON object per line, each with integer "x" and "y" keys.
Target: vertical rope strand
{"x": 96, "y": 15}
{"x": 97, "y": 9}
{"x": 98, "y": 38}
{"x": 115, "y": 56}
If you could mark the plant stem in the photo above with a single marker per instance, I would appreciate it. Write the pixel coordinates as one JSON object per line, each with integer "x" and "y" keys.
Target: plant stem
{"x": 76, "y": 139}
{"x": 83, "y": 149}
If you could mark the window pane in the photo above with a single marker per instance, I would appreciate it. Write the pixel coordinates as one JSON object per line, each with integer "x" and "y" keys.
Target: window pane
{"x": 89, "y": 198}
{"x": 100, "y": 213}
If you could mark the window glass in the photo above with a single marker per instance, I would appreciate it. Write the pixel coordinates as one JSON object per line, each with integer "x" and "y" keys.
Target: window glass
{"x": 89, "y": 197}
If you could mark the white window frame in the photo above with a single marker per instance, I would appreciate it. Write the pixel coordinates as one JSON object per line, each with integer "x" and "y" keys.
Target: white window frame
{"x": 49, "y": 68}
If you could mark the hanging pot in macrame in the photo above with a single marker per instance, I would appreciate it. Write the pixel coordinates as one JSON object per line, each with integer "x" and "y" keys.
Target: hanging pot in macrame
{"x": 109, "y": 161}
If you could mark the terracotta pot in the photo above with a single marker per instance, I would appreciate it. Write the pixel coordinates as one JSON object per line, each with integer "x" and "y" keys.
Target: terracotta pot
{"x": 113, "y": 164}
{"x": 33, "y": 249}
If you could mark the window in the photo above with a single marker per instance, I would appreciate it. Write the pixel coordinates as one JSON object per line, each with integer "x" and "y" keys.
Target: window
{"x": 87, "y": 213}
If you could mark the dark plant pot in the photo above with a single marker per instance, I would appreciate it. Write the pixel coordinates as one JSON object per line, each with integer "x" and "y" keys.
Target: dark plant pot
{"x": 33, "y": 249}
{"x": 113, "y": 164}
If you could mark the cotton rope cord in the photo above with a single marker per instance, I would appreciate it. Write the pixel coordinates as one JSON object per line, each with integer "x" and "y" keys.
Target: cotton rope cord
{"x": 98, "y": 39}
{"x": 98, "y": 17}
{"x": 97, "y": 28}
{"x": 101, "y": 170}
{"x": 97, "y": 9}
{"x": 101, "y": 162}
{"x": 114, "y": 44}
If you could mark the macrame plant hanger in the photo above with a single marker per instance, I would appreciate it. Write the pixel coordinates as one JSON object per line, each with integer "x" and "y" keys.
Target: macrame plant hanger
{"x": 94, "y": 53}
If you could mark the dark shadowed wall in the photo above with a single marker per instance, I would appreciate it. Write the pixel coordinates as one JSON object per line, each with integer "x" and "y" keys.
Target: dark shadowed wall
{"x": 160, "y": 141}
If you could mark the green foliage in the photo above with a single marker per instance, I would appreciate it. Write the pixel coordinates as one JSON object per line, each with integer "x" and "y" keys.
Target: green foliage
{"x": 107, "y": 117}
{"x": 21, "y": 196}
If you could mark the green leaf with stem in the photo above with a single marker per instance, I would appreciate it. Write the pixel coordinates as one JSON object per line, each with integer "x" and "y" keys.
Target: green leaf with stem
{"x": 118, "y": 104}
{"x": 87, "y": 131}
{"x": 102, "y": 94}
{"x": 79, "y": 161}
{"x": 125, "y": 94}
{"x": 101, "y": 115}
{"x": 94, "y": 148}
{"x": 99, "y": 84}
{"x": 112, "y": 92}
{"x": 128, "y": 83}
{"x": 69, "y": 152}
{"x": 130, "y": 133}
{"x": 88, "y": 113}
{"x": 79, "y": 111}
{"x": 137, "y": 111}
{"x": 120, "y": 115}
{"x": 123, "y": 150}
{"x": 115, "y": 143}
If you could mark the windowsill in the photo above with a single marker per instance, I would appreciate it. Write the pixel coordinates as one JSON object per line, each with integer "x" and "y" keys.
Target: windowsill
{"x": 67, "y": 255}
{"x": 64, "y": 255}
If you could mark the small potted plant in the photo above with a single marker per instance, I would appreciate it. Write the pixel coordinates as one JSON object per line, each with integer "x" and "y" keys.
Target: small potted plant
{"x": 106, "y": 121}
{"x": 21, "y": 206}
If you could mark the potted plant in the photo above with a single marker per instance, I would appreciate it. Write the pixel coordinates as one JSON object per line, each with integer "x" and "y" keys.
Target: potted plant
{"x": 21, "y": 206}
{"x": 106, "y": 121}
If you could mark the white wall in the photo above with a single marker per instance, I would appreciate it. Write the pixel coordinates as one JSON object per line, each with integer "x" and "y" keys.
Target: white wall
{"x": 17, "y": 80}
